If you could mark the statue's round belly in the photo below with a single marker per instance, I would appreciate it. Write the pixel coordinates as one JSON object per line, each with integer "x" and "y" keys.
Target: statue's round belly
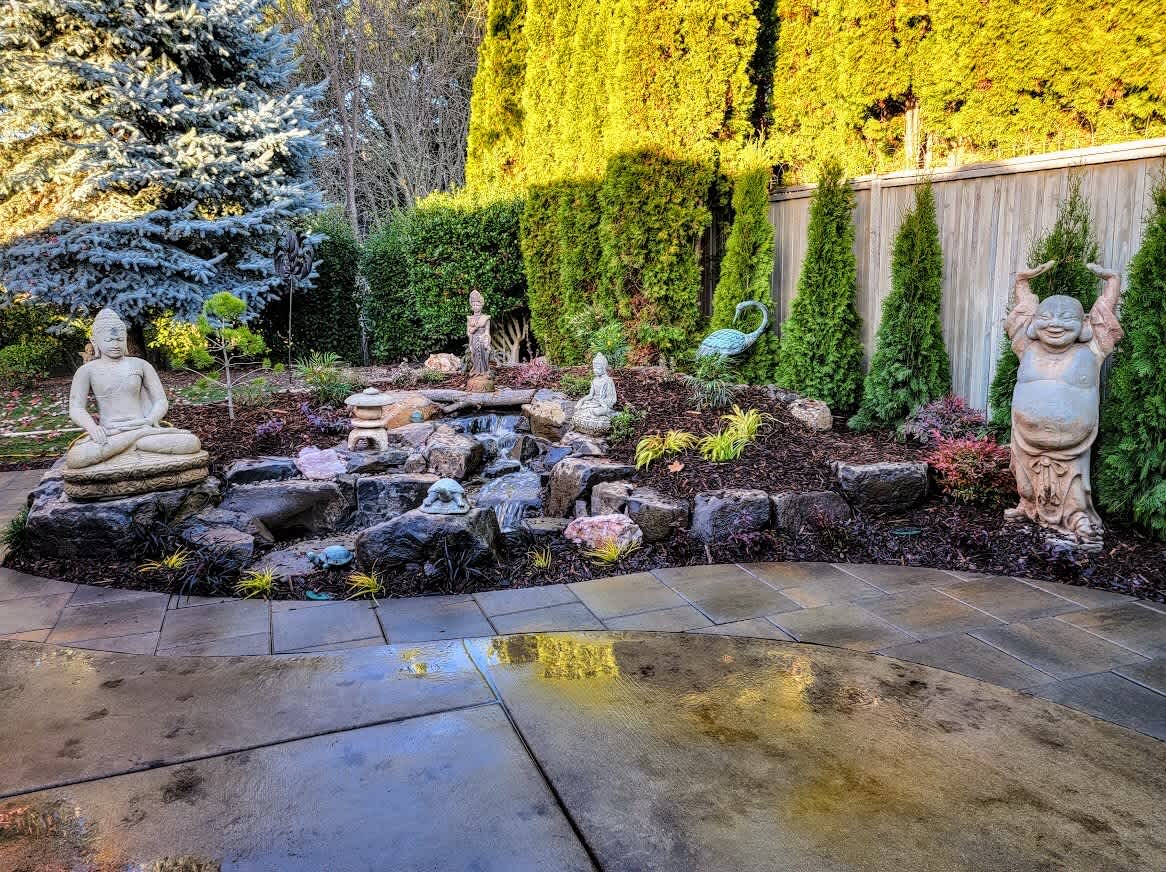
{"x": 1052, "y": 414}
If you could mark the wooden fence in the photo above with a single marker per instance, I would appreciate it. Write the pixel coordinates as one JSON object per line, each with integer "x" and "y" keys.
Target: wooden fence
{"x": 988, "y": 216}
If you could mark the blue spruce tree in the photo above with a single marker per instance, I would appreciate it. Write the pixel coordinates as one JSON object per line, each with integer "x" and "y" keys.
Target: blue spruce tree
{"x": 151, "y": 153}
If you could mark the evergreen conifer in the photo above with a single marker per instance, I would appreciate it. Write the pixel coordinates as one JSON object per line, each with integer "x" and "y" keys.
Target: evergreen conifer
{"x": 910, "y": 365}
{"x": 821, "y": 350}
{"x": 1071, "y": 244}
{"x": 1131, "y": 478}
{"x": 155, "y": 151}
{"x": 746, "y": 268}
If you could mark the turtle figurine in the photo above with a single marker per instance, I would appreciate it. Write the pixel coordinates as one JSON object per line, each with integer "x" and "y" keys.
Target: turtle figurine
{"x": 332, "y": 557}
{"x": 729, "y": 342}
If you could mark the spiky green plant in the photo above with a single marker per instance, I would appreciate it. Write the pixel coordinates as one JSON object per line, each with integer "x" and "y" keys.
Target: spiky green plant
{"x": 13, "y": 536}
{"x": 256, "y": 582}
{"x": 723, "y": 446}
{"x": 608, "y": 551}
{"x": 654, "y": 446}
{"x": 170, "y": 563}
{"x": 713, "y": 382}
{"x": 746, "y": 424}
{"x": 364, "y": 584}
{"x": 541, "y": 558}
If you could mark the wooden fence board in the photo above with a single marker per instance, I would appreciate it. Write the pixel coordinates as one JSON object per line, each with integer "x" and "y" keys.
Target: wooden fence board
{"x": 988, "y": 216}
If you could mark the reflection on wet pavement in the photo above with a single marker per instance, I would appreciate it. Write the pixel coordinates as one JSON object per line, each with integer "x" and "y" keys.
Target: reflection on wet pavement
{"x": 722, "y": 753}
{"x": 650, "y": 752}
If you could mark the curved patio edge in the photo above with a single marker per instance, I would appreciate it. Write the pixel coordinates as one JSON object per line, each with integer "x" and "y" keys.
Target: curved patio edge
{"x": 1099, "y": 652}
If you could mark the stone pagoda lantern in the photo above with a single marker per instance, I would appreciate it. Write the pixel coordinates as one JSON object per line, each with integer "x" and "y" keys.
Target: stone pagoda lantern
{"x": 369, "y": 411}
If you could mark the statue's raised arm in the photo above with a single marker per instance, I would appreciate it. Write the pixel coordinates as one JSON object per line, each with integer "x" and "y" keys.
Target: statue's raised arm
{"x": 1025, "y": 305}
{"x": 1103, "y": 318}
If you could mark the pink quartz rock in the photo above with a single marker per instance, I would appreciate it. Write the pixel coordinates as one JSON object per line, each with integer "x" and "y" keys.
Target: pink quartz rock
{"x": 323, "y": 465}
{"x": 591, "y": 532}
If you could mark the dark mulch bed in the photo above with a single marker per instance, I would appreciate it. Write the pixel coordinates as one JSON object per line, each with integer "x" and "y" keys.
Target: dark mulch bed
{"x": 940, "y": 533}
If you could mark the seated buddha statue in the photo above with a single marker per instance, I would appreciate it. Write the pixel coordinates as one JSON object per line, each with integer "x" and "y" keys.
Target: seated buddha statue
{"x": 126, "y": 450}
{"x": 594, "y": 411}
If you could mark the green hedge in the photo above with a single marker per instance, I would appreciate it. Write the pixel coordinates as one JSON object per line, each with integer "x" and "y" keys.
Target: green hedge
{"x": 422, "y": 264}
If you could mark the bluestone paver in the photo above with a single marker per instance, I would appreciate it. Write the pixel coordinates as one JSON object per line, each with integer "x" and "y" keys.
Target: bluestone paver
{"x": 898, "y": 579}
{"x": 138, "y": 643}
{"x": 1057, "y": 648}
{"x": 725, "y": 597}
{"x": 296, "y": 629}
{"x": 214, "y": 623}
{"x": 1009, "y": 600}
{"x": 1113, "y": 698}
{"x": 969, "y": 656}
{"x": 31, "y": 612}
{"x": 844, "y": 626}
{"x": 1132, "y": 626}
{"x": 18, "y": 585}
{"x": 783, "y": 575}
{"x": 110, "y": 620}
{"x": 1151, "y": 674}
{"x": 757, "y": 628}
{"x": 230, "y": 646}
{"x": 432, "y": 618}
{"x": 675, "y": 620}
{"x": 499, "y": 602}
{"x": 928, "y": 613}
{"x": 626, "y": 595}
{"x": 568, "y": 616}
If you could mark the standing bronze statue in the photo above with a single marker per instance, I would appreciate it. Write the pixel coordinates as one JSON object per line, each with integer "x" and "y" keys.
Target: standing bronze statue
{"x": 1055, "y": 404}
{"x": 478, "y": 330}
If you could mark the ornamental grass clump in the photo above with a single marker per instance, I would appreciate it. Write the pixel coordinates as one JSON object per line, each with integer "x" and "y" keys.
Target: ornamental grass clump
{"x": 608, "y": 551}
{"x": 654, "y": 446}
{"x": 256, "y": 582}
{"x": 910, "y": 366}
{"x": 973, "y": 470}
{"x": 1131, "y": 476}
{"x": 713, "y": 382}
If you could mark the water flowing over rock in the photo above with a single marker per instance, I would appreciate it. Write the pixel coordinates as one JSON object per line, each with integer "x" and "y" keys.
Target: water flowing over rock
{"x": 450, "y": 454}
{"x": 717, "y": 515}
{"x": 512, "y": 496}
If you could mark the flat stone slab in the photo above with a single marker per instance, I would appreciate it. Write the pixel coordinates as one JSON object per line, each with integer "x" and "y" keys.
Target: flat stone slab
{"x": 69, "y": 715}
{"x": 454, "y": 790}
{"x": 712, "y": 752}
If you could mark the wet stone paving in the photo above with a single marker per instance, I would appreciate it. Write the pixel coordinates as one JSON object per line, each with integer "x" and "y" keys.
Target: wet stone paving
{"x": 558, "y": 751}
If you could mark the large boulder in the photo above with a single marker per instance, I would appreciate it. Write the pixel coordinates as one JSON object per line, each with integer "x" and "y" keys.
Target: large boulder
{"x": 657, "y": 515}
{"x": 791, "y": 511}
{"x": 60, "y": 527}
{"x": 882, "y": 487}
{"x": 404, "y": 406}
{"x": 550, "y": 414}
{"x": 717, "y": 515}
{"x": 450, "y": 454}
{"x": 216, "y": 517}
{"x": 293, "y": 562}
{"x": 372, "y": 462}
{"x": 381, "y": 497}
{"x": 291, "y": 508}
{"x": 572, "y": 478}
{"x": 417, "y": 537}
{"x": 234, "y": 544}
{"x": 813, "y": 413}
{"x": 597, "y": 530}
{"x": 320, "y": 465}
{"x": 543, "y": 527}
{"x": 411, "y": 436}
{"x": 610, "y": 497}
{"x": 254, "y": 469}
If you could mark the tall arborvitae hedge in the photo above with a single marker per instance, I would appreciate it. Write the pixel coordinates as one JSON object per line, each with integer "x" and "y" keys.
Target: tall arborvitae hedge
{"x": 1131, "y": 478}
{"x": 821, "y": 350}
{"x": 624, "y": 110}
{"x": 1071, "y": 244}
{"x": 910, "y": 365}
{"x": 747, "y": 267}
{"x": 989, "y": 80}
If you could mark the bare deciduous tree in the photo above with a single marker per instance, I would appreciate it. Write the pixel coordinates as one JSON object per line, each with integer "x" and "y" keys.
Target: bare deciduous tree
{"x": 399, "y": 75}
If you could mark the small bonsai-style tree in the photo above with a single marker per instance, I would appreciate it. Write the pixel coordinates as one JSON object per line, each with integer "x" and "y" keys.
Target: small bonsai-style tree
{"x": 1072, "y": 245}
{"x": 821, "y": 350}
{"x": 1131, "y": 479}
{"x": 910, "y": 365}
{"x": 746, "y": 267}
{"x": 227, "y": 339}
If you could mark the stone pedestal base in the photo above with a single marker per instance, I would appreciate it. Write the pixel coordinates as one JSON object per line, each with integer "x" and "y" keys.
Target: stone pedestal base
{"x": 377, "y": 438}
{"x": 135, "y": 472}
{"x": 592, "y": 425}
{"x": 480, "y": 384}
